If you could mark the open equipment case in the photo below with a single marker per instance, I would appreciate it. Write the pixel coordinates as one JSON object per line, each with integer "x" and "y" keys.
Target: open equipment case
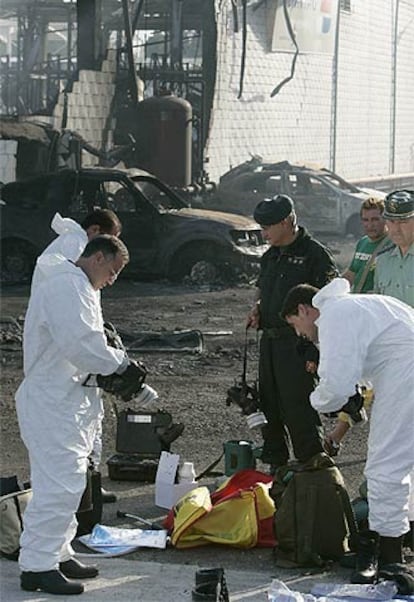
{"x": 140, "y": 438}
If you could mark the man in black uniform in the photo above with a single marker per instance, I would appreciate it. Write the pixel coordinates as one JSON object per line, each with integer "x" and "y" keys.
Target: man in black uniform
{"x": 285, "y": 375}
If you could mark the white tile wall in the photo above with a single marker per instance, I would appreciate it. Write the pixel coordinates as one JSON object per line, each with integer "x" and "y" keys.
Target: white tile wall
{"x": 8, "y": 150}
{"x": 296, "y": 123}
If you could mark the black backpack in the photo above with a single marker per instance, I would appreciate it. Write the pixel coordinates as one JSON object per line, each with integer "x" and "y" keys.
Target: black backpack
{"x": 90, "y": 508}
{"x": 314, "y": 520}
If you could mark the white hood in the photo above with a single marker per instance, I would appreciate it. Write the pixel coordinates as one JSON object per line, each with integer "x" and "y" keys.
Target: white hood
{"x": 64, "y": 225}
{"x": 338, "y": 287}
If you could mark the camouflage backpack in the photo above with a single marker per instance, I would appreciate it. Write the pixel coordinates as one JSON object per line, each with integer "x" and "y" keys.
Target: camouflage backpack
{"x": 314, "y": 520}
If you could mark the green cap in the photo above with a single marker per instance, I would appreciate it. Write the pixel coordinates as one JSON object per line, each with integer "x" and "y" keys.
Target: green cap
{"x": 399, "y": 205}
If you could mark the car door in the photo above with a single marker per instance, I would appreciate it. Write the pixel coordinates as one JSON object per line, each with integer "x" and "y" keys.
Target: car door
{"x": 138, "y": 217}
{"x": 317, "y": 204}
{"x": 140, "y": 226}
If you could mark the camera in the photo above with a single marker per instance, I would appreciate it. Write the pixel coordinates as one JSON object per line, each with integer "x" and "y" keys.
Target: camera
{"x": 246, "y": 396}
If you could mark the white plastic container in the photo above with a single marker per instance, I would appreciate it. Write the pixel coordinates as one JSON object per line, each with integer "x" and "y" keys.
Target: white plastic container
{"x": 186, "y": 473}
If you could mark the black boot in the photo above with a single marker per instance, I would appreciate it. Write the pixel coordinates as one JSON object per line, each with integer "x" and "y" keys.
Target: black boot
{"x": 390, "y": 550}
{"x": 52, "y": 582}
{"x": 73, "y": 569}
{"x": 366, "y": 566}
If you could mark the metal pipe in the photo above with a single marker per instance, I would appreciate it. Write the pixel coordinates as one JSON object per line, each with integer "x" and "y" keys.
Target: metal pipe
{"x": 334, "y": 96}
{"x": 133, "y": 87}
{"x": 136, "y": 16}
{"x": 139, "y": 519}
{"x": 394, "y": 87}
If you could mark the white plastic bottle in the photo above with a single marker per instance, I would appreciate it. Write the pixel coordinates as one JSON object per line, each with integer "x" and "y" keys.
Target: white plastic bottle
{"x": 186, "y": 473}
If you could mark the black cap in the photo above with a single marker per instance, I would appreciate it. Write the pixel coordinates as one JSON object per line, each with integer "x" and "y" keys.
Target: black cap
{"x": 274, "y": 210}
{"x": 399, "y": 205}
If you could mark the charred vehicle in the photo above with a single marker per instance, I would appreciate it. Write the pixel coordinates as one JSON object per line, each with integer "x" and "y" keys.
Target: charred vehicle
{"x": 165, "y": 236}
{"x": 325, "y": 202}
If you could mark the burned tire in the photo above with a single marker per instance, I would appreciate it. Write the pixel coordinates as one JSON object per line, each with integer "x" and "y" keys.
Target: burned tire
{"x": 201, "y": 264}
{"x": 17, "y": 261}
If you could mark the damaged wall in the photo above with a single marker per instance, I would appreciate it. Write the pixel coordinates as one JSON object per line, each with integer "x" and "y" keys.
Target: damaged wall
{"x": 297, "y": 123}
{"x": 89, "y": 106}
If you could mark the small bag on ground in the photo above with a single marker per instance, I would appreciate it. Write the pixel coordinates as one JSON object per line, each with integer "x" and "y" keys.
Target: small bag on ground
{"x": 89, "y": 512}
{"x": 314, "y": 521}
{"x": 12, "y": 507}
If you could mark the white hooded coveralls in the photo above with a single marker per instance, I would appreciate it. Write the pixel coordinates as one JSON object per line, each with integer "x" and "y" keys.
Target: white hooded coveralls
{"x": 63, "y": 342}
{"x": 70, "y": 242}
{"x": 372, "y": 336}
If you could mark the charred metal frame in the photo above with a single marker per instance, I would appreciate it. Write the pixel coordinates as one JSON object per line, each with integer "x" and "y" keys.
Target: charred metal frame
{"x": 31, "y": 82}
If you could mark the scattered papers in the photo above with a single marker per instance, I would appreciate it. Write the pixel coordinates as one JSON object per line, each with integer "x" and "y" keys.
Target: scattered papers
{"x": 114, "y": 541}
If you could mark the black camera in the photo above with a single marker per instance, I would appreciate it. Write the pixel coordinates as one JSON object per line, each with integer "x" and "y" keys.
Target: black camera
{"x": 246, "y": 396}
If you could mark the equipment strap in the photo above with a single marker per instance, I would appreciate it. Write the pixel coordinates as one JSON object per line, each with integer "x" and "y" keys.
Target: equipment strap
{"x": 369, "y": 263}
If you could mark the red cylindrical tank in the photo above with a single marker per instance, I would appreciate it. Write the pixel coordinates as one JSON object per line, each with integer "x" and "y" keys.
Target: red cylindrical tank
{"x": 166, "y": 126}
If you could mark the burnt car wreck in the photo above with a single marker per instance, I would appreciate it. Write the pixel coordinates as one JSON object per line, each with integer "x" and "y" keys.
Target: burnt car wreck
{"x": 165, "y": 236}
{"x": 325, "y": 202}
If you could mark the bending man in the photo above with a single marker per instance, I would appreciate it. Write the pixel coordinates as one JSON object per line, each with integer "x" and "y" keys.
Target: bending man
{"x": 370, "y": 336}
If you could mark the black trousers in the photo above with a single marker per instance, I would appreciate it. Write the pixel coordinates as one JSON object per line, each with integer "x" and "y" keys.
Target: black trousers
{"x": 285, "y": 387}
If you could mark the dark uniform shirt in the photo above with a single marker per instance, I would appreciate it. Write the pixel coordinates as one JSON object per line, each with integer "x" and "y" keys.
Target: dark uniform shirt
{"x": 305, "y": 260}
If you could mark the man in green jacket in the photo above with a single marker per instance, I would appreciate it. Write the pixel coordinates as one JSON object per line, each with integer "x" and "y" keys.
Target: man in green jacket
{"x": 360, "y": 273}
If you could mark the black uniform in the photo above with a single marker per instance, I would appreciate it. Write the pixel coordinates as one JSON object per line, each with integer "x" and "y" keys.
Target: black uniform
{"x": 284, "y": 384}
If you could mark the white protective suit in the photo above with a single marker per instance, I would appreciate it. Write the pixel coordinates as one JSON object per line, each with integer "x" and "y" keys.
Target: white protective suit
{"x": 70, "y": 242}
{"x": 372, "y": 336}
{"x": 63, "y": 342}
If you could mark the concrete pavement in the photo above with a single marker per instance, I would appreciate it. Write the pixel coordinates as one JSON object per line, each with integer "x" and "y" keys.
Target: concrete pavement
{"x": 129, "y": 580}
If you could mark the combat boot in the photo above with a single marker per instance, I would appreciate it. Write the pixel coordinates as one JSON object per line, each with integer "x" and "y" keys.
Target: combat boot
{"x": 390, "y": 550}
{"x": 52, "y": 582}
{"x": 366, "y": 565}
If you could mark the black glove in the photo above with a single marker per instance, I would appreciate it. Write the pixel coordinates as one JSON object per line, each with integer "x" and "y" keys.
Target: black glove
{"x": 354, "y": 406}
{"x": 124, "y": 385}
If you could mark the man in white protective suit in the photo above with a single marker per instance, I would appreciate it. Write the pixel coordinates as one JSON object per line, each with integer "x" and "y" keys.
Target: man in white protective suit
{"x": 372, "y": 337}
{"x": 73, "y": 237}
{"x": 71, "y": 240}
{"x": 63, "y": 343}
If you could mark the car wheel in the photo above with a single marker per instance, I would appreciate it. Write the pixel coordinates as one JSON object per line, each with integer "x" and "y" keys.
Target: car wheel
{"x": 201, "y": 264}
{"x": 354, "y": 226}
{"x": 17, "y": 261}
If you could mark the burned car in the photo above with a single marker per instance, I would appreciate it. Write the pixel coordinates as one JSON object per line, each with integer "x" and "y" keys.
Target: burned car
{"x": 165, "y": 236}
{"x": 325, "y": 202}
